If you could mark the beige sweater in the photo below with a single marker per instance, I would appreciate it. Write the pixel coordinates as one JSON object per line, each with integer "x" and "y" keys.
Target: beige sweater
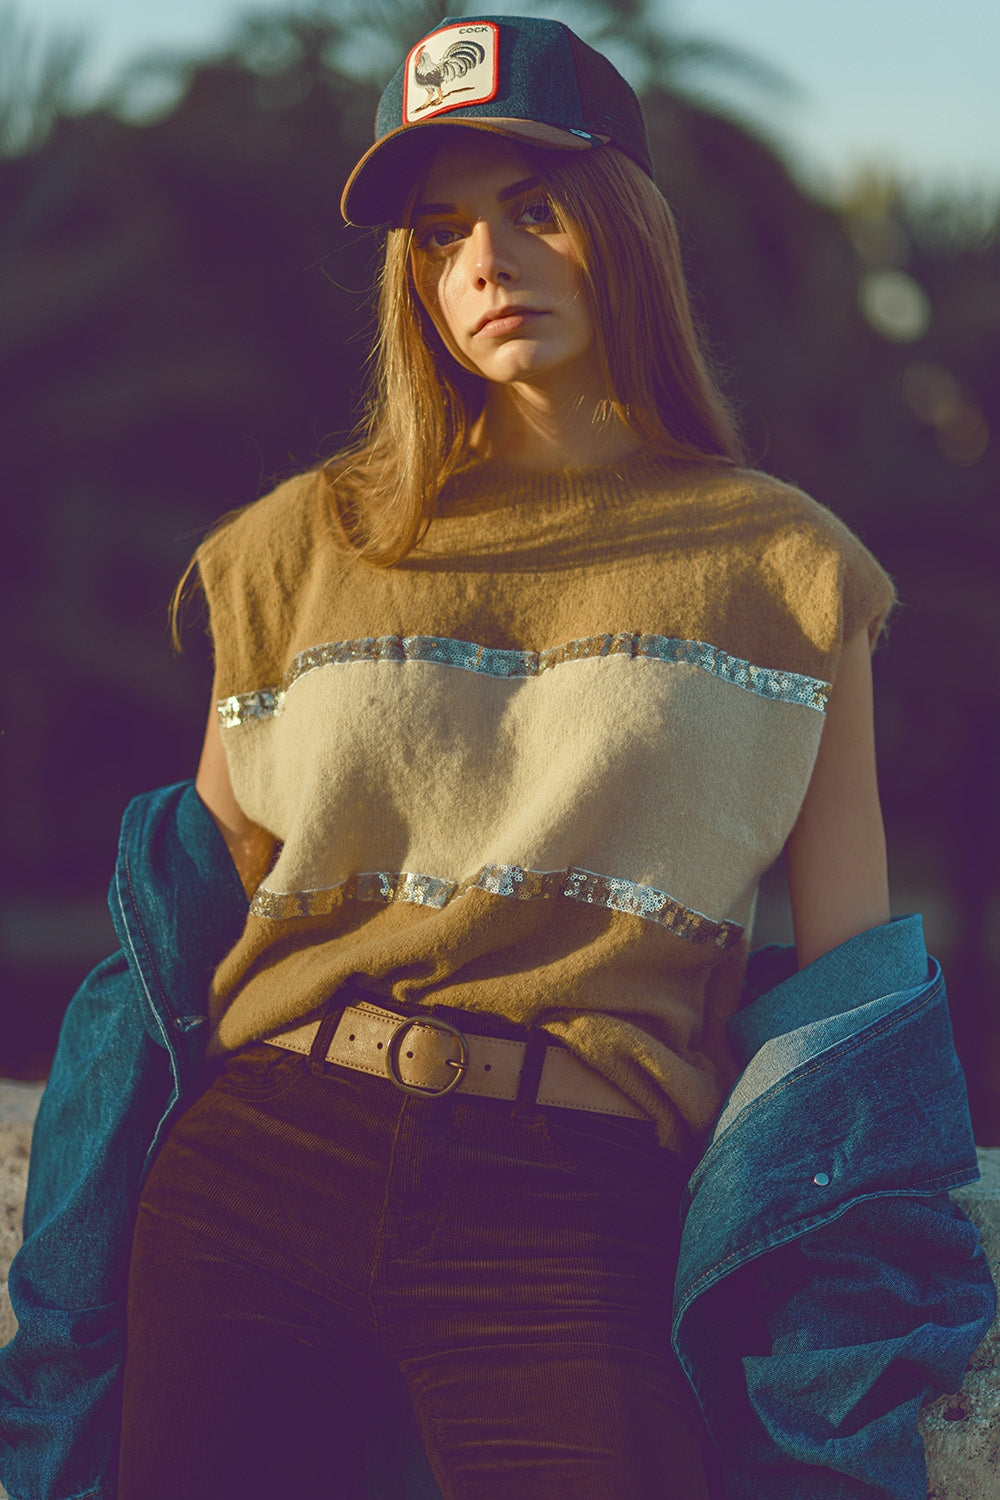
{"x": 539, "y": 767}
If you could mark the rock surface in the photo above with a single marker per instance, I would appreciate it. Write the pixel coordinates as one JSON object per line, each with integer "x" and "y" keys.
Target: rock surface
{"x": 961, "y": 1432}
{"x": 18, "y": 1103}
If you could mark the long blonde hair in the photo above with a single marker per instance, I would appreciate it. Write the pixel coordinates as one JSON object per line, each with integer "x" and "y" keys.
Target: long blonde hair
{"x": 422, "y": 404}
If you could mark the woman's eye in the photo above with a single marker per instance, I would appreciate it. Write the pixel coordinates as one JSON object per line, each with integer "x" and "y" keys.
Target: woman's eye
{"x": 436, "y": 238}
{"x": 536, "y": 212}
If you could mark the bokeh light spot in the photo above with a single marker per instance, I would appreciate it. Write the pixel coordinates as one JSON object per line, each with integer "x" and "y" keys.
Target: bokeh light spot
{"x": 895, "y": 305}
{"x": 932, "y": 393}
{"x": 935, "y": 397}
{"x": 965, "y": 439}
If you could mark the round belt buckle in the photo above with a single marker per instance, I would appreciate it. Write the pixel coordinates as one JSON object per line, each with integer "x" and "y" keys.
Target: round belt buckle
{"x": 460, "y": 1063}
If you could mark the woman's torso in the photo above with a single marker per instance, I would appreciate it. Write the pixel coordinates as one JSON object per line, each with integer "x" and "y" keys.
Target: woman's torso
{"x": 538, "y": 768}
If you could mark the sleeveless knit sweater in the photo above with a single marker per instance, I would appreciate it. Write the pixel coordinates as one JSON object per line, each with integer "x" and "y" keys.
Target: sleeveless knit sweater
{"x": 539, "y": 767}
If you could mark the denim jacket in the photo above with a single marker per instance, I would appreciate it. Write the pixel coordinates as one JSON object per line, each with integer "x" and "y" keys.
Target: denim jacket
{"x": 827, "y": 1285}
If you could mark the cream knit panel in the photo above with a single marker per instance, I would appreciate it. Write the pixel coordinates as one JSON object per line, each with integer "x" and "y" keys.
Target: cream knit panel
{"x": 656, "y": 773}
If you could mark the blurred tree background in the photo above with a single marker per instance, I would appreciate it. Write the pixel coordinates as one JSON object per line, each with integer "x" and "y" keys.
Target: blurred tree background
{"x": 184, "y": 321}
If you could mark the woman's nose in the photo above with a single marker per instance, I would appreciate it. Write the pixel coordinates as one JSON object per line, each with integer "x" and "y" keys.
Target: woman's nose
{"x": 492, "y": 257}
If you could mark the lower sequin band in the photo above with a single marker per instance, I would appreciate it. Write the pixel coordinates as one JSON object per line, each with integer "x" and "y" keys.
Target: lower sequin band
{"x": 385, "y": 887}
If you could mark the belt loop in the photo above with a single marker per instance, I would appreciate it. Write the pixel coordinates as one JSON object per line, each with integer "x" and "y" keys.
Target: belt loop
{"x": 324, "y": 1036}
{"x": 531, "y": 1075}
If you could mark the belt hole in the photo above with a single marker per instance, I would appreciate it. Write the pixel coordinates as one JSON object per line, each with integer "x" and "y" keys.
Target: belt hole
{"x": 351, "y": 1037}
{"x": 409, "y": 1054}
{"x": 380, "y": 1046}
{"x": 487, "y": 1067}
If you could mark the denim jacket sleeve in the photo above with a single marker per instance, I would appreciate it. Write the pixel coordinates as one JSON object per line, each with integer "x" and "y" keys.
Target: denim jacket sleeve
{"x": 828, "y": 1286}
{"x": 128, "y": 1052}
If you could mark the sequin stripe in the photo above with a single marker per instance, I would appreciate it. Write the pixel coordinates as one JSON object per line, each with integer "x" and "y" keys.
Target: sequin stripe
{"x": 386, "y": 886}
{"x": 490, "y": 661}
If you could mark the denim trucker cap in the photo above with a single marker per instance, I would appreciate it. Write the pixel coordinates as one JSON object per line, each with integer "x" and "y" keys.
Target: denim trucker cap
{"x": 517, "y": 76}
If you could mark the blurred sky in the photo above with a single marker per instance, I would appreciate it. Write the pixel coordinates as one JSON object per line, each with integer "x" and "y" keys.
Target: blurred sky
{"x": 911, "y": 85}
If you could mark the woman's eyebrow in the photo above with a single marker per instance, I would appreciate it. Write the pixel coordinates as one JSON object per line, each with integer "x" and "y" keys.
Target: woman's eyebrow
{"x": 422, "y": 210}
{"x": 517, "y": 188}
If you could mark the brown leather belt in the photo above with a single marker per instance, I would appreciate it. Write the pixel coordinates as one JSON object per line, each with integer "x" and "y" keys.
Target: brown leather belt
{"x": 430, "y": 1056}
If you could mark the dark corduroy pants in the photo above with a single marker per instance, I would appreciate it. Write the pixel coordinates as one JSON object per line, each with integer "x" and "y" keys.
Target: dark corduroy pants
{"x": 311, "y": 1239}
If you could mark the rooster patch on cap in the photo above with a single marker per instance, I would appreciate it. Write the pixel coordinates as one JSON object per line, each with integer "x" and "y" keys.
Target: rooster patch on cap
{"x": 459, "y": 59}
{"x": 466, "y": 63}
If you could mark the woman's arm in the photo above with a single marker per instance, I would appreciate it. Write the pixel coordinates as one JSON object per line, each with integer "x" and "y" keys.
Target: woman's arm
{"x": 837, "y": 874}
{"x": 251, "y": 847}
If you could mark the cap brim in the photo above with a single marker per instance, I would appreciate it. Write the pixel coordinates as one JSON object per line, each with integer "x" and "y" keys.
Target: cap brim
{"x": 377, "y": 189}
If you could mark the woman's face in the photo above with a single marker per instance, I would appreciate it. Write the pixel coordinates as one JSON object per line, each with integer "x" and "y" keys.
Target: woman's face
{"x": 496, "y": 275}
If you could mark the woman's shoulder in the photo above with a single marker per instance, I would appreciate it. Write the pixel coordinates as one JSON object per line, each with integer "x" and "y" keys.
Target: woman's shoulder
{"x": 734, "y": 500}
{"x": 776, "y": 553}
{"x": 278, "y": 528}
{"x": 256, "y": 569}
{"x": 748, "y": 503}
{"x": 762, "y": 500}
{"x": 808, "y": 550}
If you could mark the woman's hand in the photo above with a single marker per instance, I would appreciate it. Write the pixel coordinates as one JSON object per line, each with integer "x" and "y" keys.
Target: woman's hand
{"x": 837, "y": 876}
{"x": 251, "y": 847}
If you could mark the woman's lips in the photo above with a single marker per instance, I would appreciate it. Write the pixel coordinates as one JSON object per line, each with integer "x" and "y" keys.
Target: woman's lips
{"x": 508, "y": 322}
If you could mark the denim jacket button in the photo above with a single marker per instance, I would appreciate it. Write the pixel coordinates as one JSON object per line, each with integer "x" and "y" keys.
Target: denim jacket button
{"x": 822, "y": 1179}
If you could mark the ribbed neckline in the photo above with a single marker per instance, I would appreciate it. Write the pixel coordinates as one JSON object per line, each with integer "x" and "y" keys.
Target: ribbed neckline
{"x": 491, "y": 483}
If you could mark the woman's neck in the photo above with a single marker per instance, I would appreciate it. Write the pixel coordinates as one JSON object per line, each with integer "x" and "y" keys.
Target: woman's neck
{"x": 529, "y": 428}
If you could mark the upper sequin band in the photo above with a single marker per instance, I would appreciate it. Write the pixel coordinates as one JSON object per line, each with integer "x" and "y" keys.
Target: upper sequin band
{"x": 387, "y": 886}
{"x": 490, "y": 661}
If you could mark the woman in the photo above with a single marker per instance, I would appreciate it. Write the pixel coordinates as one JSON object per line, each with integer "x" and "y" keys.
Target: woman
{"x": 515, "y": 701}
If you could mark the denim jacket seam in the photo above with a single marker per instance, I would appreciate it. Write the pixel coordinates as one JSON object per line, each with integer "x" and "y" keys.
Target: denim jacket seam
{"x": 124, "y": 866}
{"x": 800, "y": 1227}
{"x": 136, "y": 965}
